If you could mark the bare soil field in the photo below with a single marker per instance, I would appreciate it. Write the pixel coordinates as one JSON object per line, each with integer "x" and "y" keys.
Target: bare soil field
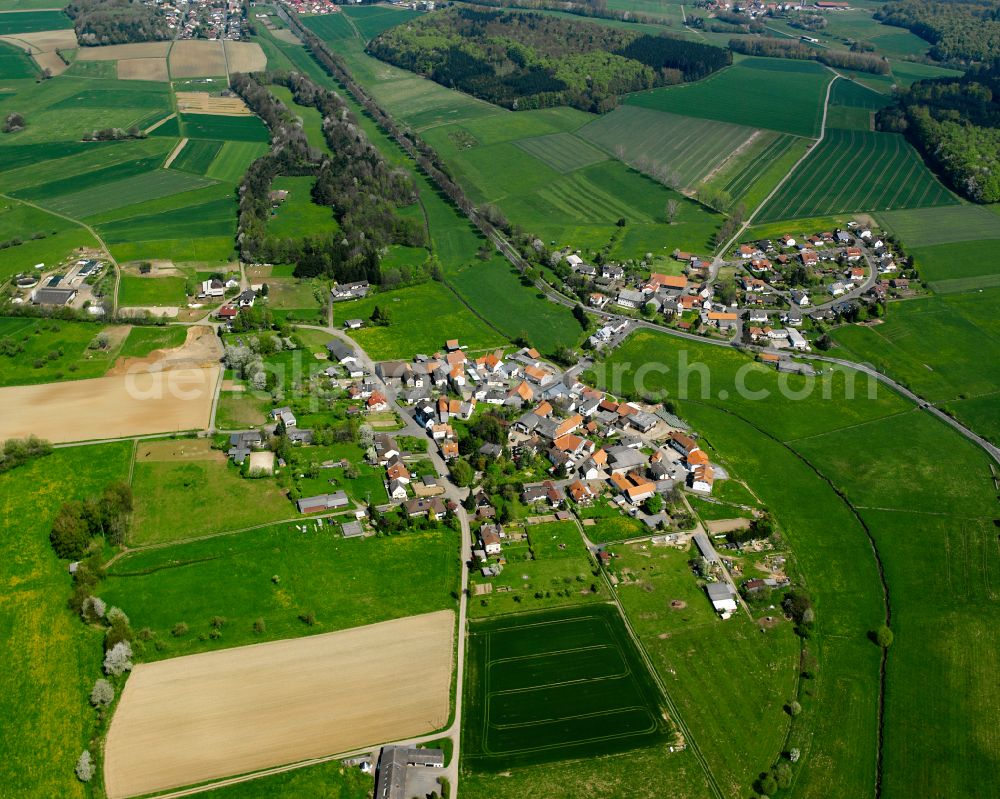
{"x": 192, "y": 58}
{"x": 117, "y": 406}
{"x": 50, "y": 60}
{"x": 205, "y": 103}
{"x": 44, "y": 41}
{"x": 245, "y": 57}
{"x": 165, "y": 391}
{"x": 113, "y": 52}
{"x": 727, "y": 525}
{"x": 203, "y": 717}
{"x": 143, "y": 69}
{"x": 285, "y": 35}
{"x": 262, "y": 461}
{"x": 201, "y": 349}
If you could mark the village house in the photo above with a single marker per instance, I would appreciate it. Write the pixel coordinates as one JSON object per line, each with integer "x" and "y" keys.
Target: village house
{"x": 349, "y": 291}
{"x": 433, "y": 507}
{"x": 490, "y": 539}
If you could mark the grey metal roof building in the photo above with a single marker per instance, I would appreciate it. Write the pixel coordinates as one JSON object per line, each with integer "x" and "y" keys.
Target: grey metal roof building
{"x": 705, "y": 547}
{"x": 393, "y": 763}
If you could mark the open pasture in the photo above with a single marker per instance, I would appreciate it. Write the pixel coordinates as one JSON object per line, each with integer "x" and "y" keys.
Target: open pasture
{"x": 327, "y": 693}
{"x": 745, "y": 94}
{"x": 342, "y": 581}
{"x": 423, "y": 318}
{"x": 564, "y": 152}
{"x": 143, "y": 291}
{"x": 53, "y": 350}
{"x": 143, "y": 69}
{"x": 857, "y": 171}
{"x": 61, "y": 237}
{"x": 180, "y": 485}
{"x": 298, "y": 214}
{"x": 925, "y": 227}
{"x": 31, "y": 21}
{"x": 555, "y": 685}
{"x": 110, "y": 407}
{"x": 224, "y": 127}
{"x": 330, "y": 27}
{"x": 689, "y": 146}
{"x": 959, "y": 266}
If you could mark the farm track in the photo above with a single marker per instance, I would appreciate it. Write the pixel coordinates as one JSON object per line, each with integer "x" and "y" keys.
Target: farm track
{"x": 174, "y": 153}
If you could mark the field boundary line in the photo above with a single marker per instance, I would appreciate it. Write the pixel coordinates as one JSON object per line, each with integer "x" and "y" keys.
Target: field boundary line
{"x": 175, "y": 152}
{"x": 163, "y": 121}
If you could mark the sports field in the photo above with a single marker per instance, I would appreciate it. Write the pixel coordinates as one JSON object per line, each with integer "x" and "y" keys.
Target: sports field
{"x": 745, "y": 94}
{"x": 197, "y": 718}
{"x": 853, "y": 170}
{"x": 687, "y": 146}
{"x": 555, "y": 685}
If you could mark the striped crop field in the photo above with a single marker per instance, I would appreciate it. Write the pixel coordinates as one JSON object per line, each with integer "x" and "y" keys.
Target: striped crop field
{"x": 647, "y": 139}
{"x": 564, "y": 152}
{"x": 739, "y": 183}
{"x": 197, "y": 156}
{"x": 855, "y": 170}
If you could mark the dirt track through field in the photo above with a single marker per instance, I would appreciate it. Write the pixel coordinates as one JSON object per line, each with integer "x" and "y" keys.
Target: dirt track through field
{"x": 203, "y": 717}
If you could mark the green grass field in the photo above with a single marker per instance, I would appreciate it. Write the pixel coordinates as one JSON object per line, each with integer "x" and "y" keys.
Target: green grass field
{"x": 312, "y": 120}
{"x": 745, "y": 675}
{"x": 135, "y": 290}
{"x": 52, "y": 659}
{"x": 372, "y": 20}
{"x": 298, "y": 214}
{"x": 14, "y": 64}
{"x": 233, "y": 160}
{"x": 529, "y": 676}
{"x": 53, "y": 350}
{"x": 551, "y": 569}
{"x": 690, "y": 147}
{"x": 564, "y": 152}
{"x": 611, "y": 523}
{"x": 345, "y": 582}
{"x": 745, "y": 94}
{"x": 143, "y": 340}
{"x": 925, "y": 227}
{"x": 61, "y": 237}
{"x": 32, "y": 21}
{"x": 127, "y": 191}
{"x": 330, "y": 780}
{"x": 180, "y": 496}
{"x": 197, "y": 156}
{"x": 209, "y": 126}
{"x": 423, "y": 318}
{"x": 958, "y": 266}
{"x": 792, "y": 447}
{"x": 944, "y": 348}
{"x": 497, "y": 294}
{"x": 857, "y": 171}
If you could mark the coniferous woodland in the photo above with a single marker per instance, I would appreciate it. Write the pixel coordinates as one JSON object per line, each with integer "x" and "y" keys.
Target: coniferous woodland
{"x": 959, "y": 30}
{"x": 955, "y": 123}
{"x": 523, "y": 60}
{"x": 786, "y": 48}
{"x": 117, "y": 22}
{"x": 361, "y": 190}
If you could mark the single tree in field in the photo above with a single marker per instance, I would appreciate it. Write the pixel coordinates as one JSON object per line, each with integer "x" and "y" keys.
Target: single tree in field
{"x": 883, "y": 637}
{"x": 85, "y": 767}
{"x": 672, "y": 207}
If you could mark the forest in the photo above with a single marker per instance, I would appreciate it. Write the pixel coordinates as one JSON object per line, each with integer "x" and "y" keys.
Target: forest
{"x": 524, "y": 60}
{"x": 355, "y": 182}
{"x": 117, "y": 22}
{"x": 955, "y": 123}
{"x": 959, "y": 30}
{"x": 785, "y": 48}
